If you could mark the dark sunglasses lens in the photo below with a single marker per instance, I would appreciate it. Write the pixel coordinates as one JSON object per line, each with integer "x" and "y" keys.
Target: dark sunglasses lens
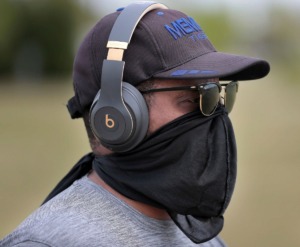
{"x": 209, "y": 99}
{"x": 230, "y": 95}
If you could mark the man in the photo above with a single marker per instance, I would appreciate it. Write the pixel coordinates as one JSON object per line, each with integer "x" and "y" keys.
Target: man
{"x": 163, "y": 165}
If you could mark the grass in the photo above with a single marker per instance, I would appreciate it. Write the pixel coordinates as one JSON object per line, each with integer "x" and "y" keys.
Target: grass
{"x": 39, "y": 144}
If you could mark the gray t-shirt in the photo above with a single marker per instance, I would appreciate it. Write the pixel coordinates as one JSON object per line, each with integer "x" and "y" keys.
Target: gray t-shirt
{"x": 85, "y": 214}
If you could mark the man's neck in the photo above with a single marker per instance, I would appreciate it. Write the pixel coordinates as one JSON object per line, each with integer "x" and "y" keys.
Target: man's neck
{"x": 145, "y": 209}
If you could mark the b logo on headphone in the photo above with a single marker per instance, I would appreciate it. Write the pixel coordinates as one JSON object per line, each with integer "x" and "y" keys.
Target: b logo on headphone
{"x": 109, "y": 122}
{"x": 119, "y": 114}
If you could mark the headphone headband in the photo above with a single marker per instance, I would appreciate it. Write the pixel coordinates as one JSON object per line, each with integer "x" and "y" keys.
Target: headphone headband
{"x": 121, "y": 34}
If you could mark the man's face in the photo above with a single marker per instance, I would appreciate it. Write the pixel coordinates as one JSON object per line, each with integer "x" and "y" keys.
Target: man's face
{"x": 169, "y": 105}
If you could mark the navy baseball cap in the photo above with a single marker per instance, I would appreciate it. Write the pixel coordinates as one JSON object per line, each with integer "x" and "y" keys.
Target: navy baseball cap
{"x": 166, "y": 44}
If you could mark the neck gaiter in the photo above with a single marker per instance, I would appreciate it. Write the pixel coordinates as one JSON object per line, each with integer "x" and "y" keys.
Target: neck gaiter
{"x": 187, "y": 167}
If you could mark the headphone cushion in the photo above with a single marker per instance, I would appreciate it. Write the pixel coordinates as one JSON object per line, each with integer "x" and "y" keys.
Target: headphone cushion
{"x": 138, "y": 109}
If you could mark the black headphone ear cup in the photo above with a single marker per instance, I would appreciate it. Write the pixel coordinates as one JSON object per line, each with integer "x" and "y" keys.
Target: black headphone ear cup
{"x": 138, "y": 109}
{"x": 137, "y": 106}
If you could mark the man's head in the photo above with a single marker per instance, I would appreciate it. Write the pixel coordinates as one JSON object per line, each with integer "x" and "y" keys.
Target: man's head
{"x": 167, "y": 48}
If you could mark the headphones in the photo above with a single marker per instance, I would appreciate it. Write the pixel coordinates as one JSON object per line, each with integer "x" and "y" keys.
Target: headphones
{"x": 119, "y": 115}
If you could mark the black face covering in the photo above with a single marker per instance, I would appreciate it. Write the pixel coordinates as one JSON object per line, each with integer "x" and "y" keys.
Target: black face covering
{"x": 188, "y": 167}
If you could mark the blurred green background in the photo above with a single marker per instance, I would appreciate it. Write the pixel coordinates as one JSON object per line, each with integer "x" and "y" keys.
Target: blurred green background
{"x": 39, "y": 143}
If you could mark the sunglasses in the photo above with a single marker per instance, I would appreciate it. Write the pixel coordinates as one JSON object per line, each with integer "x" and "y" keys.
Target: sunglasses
{"x": 209, "y": 95}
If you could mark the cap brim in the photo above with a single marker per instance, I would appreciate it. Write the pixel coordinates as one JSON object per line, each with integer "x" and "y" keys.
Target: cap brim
{"x": 219, "y": 65}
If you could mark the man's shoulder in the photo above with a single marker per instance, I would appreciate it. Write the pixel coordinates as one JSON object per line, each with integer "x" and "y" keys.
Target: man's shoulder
{"x": 70, "y": 215}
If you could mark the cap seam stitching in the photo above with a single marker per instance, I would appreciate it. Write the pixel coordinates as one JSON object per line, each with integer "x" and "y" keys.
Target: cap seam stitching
{"x": 91, "y": 60}
{"x": 154, "y": 41}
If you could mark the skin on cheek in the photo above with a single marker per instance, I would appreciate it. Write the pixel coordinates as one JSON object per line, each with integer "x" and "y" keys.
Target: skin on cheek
{"x": 161, "y": 112}
{"x": 156, "y": 119}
